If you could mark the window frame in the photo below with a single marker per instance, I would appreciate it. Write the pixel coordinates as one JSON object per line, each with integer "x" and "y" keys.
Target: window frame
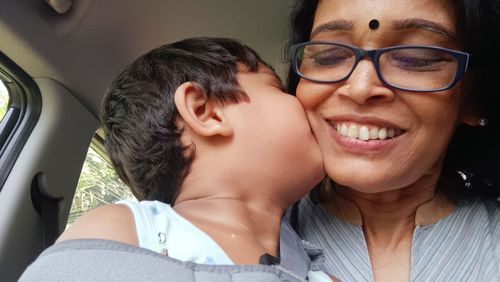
{"x": 22, "y": 114}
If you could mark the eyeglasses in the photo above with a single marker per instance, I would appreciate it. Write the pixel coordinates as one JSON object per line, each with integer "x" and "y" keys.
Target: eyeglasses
{"x": 407, "y": 67}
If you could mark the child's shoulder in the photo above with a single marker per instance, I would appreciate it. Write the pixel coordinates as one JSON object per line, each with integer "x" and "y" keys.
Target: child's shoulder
{"x": 146, "y": 208}
{"x": 112, "y": 222}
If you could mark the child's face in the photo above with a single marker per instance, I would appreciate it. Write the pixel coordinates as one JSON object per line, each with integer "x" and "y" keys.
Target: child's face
{"x": 273, "y": 133}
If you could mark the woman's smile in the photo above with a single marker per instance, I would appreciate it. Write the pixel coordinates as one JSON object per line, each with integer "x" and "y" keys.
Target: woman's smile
{"x": 357, "y": 134}
{"x": 366, "y": 132}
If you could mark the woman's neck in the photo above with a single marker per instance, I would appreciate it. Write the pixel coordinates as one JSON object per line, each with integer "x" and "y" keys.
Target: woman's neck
{"x": 245, "y": 229}
{"x": 388, "y": 220}
{"x": 388, "y": 216}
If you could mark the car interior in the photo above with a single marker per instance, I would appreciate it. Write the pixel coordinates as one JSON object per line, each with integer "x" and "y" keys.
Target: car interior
{"x": 57, "y": 58}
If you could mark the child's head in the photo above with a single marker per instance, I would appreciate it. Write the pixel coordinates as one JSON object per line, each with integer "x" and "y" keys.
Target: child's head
{"x": 142, "y": 122}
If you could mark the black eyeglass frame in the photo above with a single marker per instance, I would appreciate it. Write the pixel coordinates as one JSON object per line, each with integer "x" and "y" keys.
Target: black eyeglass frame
{"x": 461, "y": 57}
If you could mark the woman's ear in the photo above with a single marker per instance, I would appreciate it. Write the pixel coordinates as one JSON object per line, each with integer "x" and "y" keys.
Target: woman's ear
{"x": 475, "y": 120}
{"x": 471, "y": 111}
{"x": 204, "y": 116}
{"x": 471, "y": 119}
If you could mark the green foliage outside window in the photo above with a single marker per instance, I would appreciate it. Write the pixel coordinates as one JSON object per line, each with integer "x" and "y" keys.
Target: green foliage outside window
{"x": 4, "y": 99}
{"x": 98, "y": 184}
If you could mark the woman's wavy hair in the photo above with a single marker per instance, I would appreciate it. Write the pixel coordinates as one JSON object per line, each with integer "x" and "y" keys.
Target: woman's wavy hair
{"x": 140, "y": 119}
{"x": 472, "y": 163}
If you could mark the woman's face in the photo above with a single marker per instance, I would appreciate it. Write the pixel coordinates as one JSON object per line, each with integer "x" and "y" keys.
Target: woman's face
{"x": 423, "y": 123}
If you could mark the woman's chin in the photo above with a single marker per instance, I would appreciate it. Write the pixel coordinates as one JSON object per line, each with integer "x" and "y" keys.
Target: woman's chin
{"x": 364, "y": 184}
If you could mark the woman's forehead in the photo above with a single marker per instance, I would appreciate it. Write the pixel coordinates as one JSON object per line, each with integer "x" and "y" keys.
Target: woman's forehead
{"x": 356, "y": 15}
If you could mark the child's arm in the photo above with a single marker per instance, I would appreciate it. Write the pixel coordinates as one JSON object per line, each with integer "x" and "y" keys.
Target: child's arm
{"x": 111, "y": 222}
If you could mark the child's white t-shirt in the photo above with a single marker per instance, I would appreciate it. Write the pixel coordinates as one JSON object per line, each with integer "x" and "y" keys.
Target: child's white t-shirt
{"x": 175, "y": 236}
{"x": 161, "y": 229}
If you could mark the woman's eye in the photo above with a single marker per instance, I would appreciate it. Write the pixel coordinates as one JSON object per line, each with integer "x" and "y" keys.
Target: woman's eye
{"x": 330, "y": 57}
{"x": 415, "y": 62}
{"x": 420, "y": 60}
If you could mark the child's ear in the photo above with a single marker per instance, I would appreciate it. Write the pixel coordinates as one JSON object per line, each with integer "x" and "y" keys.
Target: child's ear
{"x": 205, "y": 117}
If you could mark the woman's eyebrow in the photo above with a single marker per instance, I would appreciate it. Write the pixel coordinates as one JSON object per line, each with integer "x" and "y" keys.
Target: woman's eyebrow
{"x": 343, "y": 24}
{"x": 424, "y": 24}
{"x": 340, "y": 24}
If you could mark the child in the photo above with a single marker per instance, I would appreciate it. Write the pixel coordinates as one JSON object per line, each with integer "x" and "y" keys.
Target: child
{"x": 204, "y": 134}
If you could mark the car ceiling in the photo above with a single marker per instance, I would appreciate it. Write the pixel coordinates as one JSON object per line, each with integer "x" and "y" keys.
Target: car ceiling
{"x": 87, "y": 46}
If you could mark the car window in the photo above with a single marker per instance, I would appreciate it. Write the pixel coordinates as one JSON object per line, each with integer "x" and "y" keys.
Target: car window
{"x": 4, "y": 99}
{"x": 20, "y": 106}
{"x": 98, "y": 184}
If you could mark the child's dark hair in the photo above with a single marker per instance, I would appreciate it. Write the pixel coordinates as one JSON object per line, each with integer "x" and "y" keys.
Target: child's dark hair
{"x": 140, "y": 119}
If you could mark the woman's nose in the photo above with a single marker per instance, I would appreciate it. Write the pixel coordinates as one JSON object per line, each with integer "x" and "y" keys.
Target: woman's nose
{"x": 364, "y": 86}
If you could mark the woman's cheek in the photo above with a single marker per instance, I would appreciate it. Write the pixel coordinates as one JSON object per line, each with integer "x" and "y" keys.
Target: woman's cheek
{"x": 311, "y": 95}
{"x": 320, "y": 132}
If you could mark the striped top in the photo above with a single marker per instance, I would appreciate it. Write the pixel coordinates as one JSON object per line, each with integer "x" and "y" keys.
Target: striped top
{"x": 463, "y": 246}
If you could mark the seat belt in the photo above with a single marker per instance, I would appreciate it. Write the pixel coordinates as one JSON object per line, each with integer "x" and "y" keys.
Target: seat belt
{"x": 48, "y": 209}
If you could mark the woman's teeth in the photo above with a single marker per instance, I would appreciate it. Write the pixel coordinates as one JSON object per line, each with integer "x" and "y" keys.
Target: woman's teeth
{"x": 363, "y": 132}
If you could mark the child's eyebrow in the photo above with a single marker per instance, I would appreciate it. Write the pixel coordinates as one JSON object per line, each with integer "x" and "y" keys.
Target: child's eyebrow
{"x": 273, "y": 74}
{"x": 277, "y": 80}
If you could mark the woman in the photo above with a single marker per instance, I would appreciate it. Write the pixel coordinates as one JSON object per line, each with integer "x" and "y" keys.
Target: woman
{"x": 408, "y": 135}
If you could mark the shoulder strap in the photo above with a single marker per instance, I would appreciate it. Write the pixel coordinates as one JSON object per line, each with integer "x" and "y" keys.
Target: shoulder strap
{"x": 90, "y": 260}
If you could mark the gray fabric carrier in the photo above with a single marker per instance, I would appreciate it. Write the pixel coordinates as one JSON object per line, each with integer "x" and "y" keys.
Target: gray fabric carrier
{"x": 104, "y": 260}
